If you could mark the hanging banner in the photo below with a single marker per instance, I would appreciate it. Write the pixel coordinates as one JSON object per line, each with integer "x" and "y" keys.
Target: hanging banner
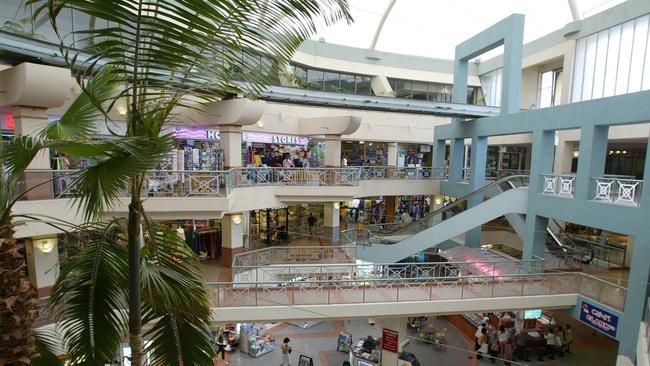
{"x": 599, "y": 319}
{"x": 390, "y": 340}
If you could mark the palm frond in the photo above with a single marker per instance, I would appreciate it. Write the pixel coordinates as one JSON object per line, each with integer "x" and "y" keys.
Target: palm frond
{"x": 175, "y": 300}
{"x": 46, "y": 349}
{"x": 89, "y": 295}
{"x": 79, "y": 122}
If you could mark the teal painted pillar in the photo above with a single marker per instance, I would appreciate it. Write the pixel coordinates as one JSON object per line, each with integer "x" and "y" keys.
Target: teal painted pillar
{"x": 478, "y": 161}
{"x": 457, "y": 154}
{"x": 645, "y": 189}
{"x": 513, "y": 51}
{"x": 535, "y": 236}
{"x": 591, "y": 163}
{"x": 541, "y": 162}
{"x": 440, "y": 147}
{"x": 637, "y": 292}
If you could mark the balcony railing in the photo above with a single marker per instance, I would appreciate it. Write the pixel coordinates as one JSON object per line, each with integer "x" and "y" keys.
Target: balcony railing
{"x": 620, "y": 191}
{"x": 340, "y": 268}
{"x": 558, "y": 185}
{"x": 294, "y": 255}
{"x": 323, "y": 291}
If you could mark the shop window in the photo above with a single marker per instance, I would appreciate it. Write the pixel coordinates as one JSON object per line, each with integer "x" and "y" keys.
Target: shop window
{"x": 403, "y": 89}
{"x": 332, "y": 82}
{"x": 363, "y": 85}
{"x": 315, "y": 79}
{"x": 347, "y": 83}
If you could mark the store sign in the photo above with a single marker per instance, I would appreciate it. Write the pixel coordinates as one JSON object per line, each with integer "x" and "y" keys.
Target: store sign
{"x": 390, "y": 340}
{"x": 599, "y": 319}
{"x": 196, "y": 133}
{"x": 266, "y": 138}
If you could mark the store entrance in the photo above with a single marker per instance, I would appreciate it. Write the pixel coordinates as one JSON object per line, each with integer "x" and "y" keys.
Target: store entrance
{"x": 281, "y": 225}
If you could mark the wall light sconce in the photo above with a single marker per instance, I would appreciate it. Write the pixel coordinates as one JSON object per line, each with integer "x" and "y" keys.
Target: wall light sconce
{"x": 236, "y": 219}
{"x": 576, "y": 154}
{"x": 361, "y": 142}
{"x": 260, "y": 123}
{"x": 45, "y": 245}
{"x": 438, "y": 200}
{"x": 337, "y": 205}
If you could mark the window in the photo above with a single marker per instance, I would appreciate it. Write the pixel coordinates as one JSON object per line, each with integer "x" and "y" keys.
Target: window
{"x": 347, "y": 83}
{"x": 548, "y": 90}
{"x": 420, "y": 90}
{"x": 491, "y": 87}
{"x": 332, "y": 82}
{"x": 363, "y": 85}
{"x": 613, "y": 61}
{"x": 315, "y": 79}
{"x": 402, "y": 88}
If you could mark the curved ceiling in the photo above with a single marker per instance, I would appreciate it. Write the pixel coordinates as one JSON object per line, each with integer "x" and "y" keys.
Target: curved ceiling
{"x": 433, "y": 28}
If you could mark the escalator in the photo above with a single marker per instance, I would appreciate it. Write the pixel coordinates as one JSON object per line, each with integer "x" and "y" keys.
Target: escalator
{"x": 391, "y": 243}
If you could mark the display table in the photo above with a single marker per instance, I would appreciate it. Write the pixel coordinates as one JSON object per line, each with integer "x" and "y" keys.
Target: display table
{"x": 255, "y": 340}
{"x": 362, "y": 358}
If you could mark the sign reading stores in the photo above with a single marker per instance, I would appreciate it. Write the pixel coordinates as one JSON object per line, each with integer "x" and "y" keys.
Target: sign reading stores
{"x": 599, "y": 319}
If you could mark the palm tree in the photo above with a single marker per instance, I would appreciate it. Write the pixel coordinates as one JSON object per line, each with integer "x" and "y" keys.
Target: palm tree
{"x": 157, "y": 56}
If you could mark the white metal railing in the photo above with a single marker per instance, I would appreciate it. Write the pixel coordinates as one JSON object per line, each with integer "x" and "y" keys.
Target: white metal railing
{"x": 408, "y": 173}
{"x": 620, "y": 191}
{"x": 294, "y": 255}
{"x": 323, "y": 290}
{"x": 562, "y": 185}
{"x": 343, "y": 268}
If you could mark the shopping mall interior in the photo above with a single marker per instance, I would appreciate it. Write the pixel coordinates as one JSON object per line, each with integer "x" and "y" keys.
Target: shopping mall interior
{"x": 186, "y": 181}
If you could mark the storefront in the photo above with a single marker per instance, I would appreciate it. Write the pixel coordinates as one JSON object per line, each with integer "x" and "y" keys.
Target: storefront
{"x": 413, "y": 155}
{"x": 357, "y": 151}
{"x": 271, "y": 149}
{"x": 511, "y": 157}
{"x": 196, "y": 149}
{"x": 203, "y": 236}
{"x": 279, "y": 225}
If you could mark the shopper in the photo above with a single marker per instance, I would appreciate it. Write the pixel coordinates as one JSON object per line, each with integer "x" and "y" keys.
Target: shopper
{"x": 311, "y": 222}
{"x": 568, "y": 338}
{"x": 482, "y": 344}
{"x": 369, "y": 344}
{"x": 286, "y": 352}
{"x": 287, "y": 163}
{"x": 477, "y": 335}
{"x": 559, "y": 341}
{"x": 550, "y": 344}
{"x": 503, "y": 339}
{"x": 344, "y": 161}
{"x": 221, "y": 345}
{"x": 509, "y": 351}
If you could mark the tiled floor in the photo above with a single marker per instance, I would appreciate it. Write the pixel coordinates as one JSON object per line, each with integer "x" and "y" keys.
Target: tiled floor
{"x": 319, "y": 342}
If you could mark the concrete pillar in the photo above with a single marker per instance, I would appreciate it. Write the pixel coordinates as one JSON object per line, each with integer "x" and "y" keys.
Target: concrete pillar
{"x": 456, "y": 160}
{"x": 645, "y": 193}
{"x": 333, "y": 151}
{"x": 534, "y": 241}
{"x": 477, "y": 180}
{"x": 231, "y": 140}
{"x": 439, "y": 150}
{"x": 591, "y": 162}
{"x": 232, "y": 236}
{"x": 42, "y": 263}
{"x": 397, "y": 325}
{"x": 392, "y": 154}
{"x": 637, "y": 292}
{"x": 331, "y": 214}
{"x": 391, "y": 202}
{"x": 29, "y": 121}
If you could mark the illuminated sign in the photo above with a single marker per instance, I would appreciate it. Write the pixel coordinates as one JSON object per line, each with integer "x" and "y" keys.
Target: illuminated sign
{"x": 599, "y": 319}
{"x": 265, "y": 138}
{"x": 196, "y": 134}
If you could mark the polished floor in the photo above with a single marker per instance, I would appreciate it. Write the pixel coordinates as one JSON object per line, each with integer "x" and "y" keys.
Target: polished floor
{"x": 319, "y": 342}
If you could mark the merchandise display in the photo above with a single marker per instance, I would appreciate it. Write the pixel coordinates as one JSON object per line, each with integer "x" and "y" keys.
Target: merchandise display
{"x": 195, "y": 155}
{"x": 256, "y": 340}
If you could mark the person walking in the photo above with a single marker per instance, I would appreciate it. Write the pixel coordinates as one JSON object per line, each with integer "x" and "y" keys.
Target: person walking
{"x": 311, "y": 222}
{"x": 503, "y": 340}
{"x": 286, "y": 352}
{"x": 568, "y": 338}
{"x": 550, "y": 344}
{"x": 221, "y": 346}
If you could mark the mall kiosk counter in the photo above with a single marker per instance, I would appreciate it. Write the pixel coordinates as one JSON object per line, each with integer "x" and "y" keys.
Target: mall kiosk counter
{"x": 256, "y": 340}
{"x": 362, "y": 358}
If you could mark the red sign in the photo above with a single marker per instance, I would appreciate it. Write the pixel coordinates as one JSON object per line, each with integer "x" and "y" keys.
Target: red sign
{"x": 390, "y": 340}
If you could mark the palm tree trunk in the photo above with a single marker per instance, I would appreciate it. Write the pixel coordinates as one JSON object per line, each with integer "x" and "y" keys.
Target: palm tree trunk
{"x": 18, "y": 303}
{"x": 135, "y": 312}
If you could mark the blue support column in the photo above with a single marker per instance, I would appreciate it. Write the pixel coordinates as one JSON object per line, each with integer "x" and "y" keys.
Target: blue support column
{"x": 457, "y": 152}
{"x": 593, "y": 152}
{"x": 440, "y": 147}
{"x": 512, "y": 55}
{"x": 645, "y": 189}
{"x": 478, "y": 161}
{"x": 534, "y": 241}
{"x": 637, "y": 292}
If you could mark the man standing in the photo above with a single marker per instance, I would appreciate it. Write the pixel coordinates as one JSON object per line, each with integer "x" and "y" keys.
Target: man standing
{"x": 311, "y": 221}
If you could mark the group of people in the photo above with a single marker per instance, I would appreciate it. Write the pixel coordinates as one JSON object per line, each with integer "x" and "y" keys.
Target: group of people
{"x": 510, "y": 344}
{"x": 279, "y": 159}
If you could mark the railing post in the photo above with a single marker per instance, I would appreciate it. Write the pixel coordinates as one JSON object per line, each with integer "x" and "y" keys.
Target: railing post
{"x": 494, "y": 281}
{"x": 256, "y": 293}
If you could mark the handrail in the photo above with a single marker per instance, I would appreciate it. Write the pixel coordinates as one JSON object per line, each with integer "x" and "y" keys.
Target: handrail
{"x": 238, "y": 257}
{"x": 463, "y": 199}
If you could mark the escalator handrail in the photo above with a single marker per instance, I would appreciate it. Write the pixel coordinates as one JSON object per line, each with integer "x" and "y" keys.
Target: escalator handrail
{"x": 464, "y": 198}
